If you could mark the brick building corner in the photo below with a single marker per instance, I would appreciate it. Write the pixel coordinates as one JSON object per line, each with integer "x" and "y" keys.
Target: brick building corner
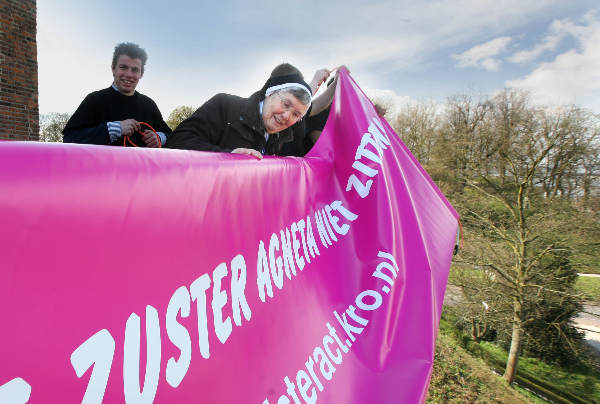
{"x": 19, "y": 113}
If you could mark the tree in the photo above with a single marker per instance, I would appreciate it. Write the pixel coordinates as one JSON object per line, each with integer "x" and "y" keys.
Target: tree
{"x": 480, "y": 307}
{"x": 179, "y": 114}
{"x": 515, "y": 227}
{"x": 51, "y": 126}
{"x": 462, "y": 143}
{"x": 589, "y": 171}
{"x": 570, "y": 161}
{"x": 418, "y": 127}
{"x": 383, "y": 103}
{"x": 551, "y": 334}
{"x": 464, "y": 139}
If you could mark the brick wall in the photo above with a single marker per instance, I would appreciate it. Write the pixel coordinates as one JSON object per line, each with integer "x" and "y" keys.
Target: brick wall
{"x": 19, "y": 115}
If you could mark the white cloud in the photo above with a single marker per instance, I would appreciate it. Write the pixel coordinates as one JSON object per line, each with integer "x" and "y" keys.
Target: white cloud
{"x": 559, "y": 29}
{"x": 573, "y": 76}
{"x": 189, "y": 62}
{"x": 549, "y": 44}
{"x": 392, "y": 101}
{"x": 404, "y": 34}
{"x": 490, "y": 64}
{"x": 483, "y": 55}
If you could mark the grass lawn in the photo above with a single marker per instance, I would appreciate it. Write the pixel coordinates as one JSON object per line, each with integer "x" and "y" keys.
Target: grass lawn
{"x": 589, "y": 287}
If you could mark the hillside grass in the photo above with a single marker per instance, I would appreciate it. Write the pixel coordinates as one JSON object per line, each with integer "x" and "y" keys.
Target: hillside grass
{"x": 564, "y": 386}
{"x": 464, "y": 373}
{"x": 460, "y": 378}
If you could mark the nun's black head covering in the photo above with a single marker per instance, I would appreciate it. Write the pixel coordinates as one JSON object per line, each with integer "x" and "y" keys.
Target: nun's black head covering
{"x": 278, "y": 81}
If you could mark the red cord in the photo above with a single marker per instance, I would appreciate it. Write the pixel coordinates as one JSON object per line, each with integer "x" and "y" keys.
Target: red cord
{"x": 127, "y": 139}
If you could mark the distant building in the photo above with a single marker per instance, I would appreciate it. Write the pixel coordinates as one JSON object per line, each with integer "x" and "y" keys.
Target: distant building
{"x": 19, "y": 113}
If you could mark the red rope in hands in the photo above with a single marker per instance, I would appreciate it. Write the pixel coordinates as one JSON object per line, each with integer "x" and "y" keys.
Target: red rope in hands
{"x": 126, "y": 138}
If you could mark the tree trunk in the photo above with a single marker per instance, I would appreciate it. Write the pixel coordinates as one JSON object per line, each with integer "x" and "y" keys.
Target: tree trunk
{"x": 474, "y": 331}
{"x": 515, "y": 345}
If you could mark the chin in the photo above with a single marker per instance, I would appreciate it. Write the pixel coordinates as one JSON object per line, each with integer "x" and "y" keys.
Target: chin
{"x": 271, "y": 130}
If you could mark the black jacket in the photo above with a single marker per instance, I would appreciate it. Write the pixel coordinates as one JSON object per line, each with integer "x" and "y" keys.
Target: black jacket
{"x": 88, "y": 123}
{"x": 227, "y": 122}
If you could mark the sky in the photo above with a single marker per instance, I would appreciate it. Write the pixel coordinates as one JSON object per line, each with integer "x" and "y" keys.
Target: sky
{"x": 401, "y": 51}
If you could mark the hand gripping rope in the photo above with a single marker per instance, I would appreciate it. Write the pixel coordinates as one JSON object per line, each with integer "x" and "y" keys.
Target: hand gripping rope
{"x": 126, "y": 139}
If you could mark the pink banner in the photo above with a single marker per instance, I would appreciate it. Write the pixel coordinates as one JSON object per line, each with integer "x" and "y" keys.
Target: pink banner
{"x": 169, "y": 276}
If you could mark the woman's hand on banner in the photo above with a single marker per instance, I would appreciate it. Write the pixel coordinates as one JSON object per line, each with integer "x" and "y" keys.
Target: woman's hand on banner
{"x": 318, "y": 79}
{"x": 250, "y": 152}
{"x": 337, "y": 69}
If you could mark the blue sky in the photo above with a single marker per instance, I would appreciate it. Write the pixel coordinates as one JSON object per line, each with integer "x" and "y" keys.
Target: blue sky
{"x": 399, "y": 50}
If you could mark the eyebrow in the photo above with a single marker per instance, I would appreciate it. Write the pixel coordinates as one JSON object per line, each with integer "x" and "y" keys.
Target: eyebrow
{"x": 288, "y": 104}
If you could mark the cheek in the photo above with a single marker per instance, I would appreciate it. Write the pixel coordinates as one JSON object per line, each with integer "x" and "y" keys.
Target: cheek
{"x": 271, "y": 111}
{"x": 265, "y": 115}
{"x": 276, "y": 111}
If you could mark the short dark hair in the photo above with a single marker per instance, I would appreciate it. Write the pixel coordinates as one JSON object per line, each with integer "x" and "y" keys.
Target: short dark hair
{"x": 132, "y": 50}
{"x": 380, "y": 109}
{"x": 286, "y": 69}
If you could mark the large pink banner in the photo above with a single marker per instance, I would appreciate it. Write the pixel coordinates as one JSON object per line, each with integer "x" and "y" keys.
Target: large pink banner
{"x": 169, "y": 276}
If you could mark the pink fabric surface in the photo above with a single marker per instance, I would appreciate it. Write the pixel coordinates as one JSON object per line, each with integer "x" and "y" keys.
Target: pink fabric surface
{"x": 113, "y": 256}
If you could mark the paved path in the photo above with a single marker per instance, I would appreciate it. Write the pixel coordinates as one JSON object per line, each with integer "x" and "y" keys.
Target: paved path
{"x": 591, "y": 324}
{"x": 589, "y": 319}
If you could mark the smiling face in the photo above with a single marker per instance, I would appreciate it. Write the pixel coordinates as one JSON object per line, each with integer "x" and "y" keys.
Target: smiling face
{"x": 127, "y": 73}
{"x": 281, "y": 110}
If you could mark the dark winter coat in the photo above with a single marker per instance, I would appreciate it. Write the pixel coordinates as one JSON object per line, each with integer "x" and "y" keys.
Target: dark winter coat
{"x": 227, "y": 122}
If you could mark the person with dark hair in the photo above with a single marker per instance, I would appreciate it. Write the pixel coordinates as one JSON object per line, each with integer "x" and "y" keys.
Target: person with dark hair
{"x": 314, "y": 122}
{"x": 380, "y": 109}
{"x": 108, "y": 116}
{"x": 261, "y": 124}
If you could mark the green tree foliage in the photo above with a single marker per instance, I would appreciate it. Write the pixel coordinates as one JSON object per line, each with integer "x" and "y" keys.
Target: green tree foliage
{"x": 179, "y": 114}
{"x": 550, "y": 333}
{"x": 51, "y": 126}
{"x": 524, "y": 181}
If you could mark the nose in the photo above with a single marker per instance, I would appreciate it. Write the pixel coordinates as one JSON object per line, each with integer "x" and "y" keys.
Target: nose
{"x": 286, "y": 115}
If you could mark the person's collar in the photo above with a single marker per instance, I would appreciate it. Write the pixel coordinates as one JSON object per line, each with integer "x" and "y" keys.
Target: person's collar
{"x": 113, "y": 85}
{"x": 251, "y": 114}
